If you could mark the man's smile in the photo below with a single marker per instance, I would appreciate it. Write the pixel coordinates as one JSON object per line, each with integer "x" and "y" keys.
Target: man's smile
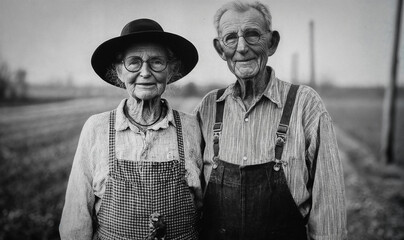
{"x": 248, "y": 61}
{"x": 145, "y": 84}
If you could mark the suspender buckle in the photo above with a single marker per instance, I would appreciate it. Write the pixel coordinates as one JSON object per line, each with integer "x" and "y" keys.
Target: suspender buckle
{"x": 217, "y": 128}
{"x": 282, "y": 128}
{"x": 280, "y": 140}
{"x": 281, "y": 134}
{"x": 214, "y": 161}
{"x": 279, "y": 163}
{"x": 216, "y": 138}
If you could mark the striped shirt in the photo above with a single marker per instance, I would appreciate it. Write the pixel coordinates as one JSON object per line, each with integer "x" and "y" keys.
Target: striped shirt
{"x": 311, "y": 152}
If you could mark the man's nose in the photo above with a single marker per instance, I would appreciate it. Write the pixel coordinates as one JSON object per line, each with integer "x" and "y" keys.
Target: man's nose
{"x": 242, "y": 45}
{"x": 145, "y": 70}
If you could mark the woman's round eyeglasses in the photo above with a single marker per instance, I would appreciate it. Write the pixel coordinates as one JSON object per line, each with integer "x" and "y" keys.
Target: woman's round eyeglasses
{"x": 251, "y": 36}
{"x": 134, "y": 64}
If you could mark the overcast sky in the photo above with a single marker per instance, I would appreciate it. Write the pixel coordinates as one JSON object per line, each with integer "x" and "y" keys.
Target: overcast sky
{"x": 54, "y": 39}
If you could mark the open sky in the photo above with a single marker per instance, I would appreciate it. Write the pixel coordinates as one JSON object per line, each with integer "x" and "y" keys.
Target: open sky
{"x": 54, "y": 39}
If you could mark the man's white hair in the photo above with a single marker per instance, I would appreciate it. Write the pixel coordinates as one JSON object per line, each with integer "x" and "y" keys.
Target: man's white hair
{"x": 242, "y": 7}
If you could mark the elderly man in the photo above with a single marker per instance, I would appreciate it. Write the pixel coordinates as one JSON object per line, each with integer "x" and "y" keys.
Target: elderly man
{"x": 271, "y": 163}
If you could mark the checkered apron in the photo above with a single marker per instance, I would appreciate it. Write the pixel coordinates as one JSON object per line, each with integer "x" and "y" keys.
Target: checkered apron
{"x": 137, "y": 189}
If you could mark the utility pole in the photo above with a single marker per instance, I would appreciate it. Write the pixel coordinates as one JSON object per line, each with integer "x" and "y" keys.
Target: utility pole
{"x": 312, "y": 62}
{"x": 295, "y": 68}
{"x": 390, "y": 97}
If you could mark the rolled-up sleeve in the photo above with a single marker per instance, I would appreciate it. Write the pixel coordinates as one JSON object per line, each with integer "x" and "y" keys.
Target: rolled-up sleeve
{"x": 328, "y": 214}
{"x": 76, "y": 221}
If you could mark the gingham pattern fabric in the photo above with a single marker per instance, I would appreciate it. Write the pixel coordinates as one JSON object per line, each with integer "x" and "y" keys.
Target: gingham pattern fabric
{"x": 136, "y": 189}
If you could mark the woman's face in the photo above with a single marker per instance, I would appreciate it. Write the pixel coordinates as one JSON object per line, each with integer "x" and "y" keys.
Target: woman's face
{"x": 145, "y": 84}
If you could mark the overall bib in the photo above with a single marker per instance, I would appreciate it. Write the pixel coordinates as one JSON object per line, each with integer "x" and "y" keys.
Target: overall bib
{"x": 137, "y": 189}
{"x": 251, "y": 202}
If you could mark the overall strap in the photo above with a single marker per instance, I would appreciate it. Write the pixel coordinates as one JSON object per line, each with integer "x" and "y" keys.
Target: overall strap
{"x": 111, "y": 141}
{"x": 284, "y": 126}
{"x": 180, "y": 141}
{"x": 217, "y": 127}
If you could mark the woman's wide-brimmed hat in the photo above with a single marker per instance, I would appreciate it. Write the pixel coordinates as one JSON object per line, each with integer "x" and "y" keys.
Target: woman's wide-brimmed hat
{"x": 143, "y": 30}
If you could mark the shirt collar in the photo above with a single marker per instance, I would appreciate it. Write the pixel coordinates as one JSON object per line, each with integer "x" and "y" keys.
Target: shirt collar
{"x": 271, "y": 91}
{"x": 122, "y": 122}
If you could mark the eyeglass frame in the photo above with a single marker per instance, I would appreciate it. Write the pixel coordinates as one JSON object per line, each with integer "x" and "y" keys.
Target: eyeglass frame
{"x": 143, "y": 61}
{"x": 243, "y": 36}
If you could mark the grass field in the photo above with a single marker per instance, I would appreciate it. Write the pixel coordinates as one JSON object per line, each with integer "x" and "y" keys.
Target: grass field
{"x": 37, "y": 148}
{"x": 375, "y": 200}
{"x": 361, "y": 117}
{"x": 37, "y": 144}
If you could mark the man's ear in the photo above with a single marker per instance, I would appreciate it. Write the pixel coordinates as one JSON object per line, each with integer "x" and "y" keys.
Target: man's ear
{"x": 274, "y": 41}
{"x": 219, "y": 49}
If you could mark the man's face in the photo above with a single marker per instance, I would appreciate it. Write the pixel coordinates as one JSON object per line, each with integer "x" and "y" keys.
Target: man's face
{"x": 245, "y": 60}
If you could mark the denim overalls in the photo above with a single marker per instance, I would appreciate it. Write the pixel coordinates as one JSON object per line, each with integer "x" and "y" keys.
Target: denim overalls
{"x": 251, "y": 202}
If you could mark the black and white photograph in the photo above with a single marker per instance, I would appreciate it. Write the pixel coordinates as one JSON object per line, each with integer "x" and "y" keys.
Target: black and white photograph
{"x": 201, "y": 120}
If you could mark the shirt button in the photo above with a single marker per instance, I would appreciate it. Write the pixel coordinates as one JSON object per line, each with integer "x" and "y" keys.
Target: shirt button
{"x": 246, "y": 119}
{"x": 170, "y": 156}
{"x": 245, "y": 158}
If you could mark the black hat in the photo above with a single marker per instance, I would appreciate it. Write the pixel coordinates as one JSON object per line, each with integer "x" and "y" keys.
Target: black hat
{"x": 143, "y": 30}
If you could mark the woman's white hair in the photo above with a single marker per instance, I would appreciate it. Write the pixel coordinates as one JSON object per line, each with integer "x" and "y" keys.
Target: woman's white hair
{"x": 242, "y": 7}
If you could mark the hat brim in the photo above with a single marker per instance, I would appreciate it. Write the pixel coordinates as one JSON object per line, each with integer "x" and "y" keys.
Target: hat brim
{"x": 104, "y": 56}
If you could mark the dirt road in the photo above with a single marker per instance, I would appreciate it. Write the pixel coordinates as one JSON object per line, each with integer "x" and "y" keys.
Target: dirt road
{"x": 374, "y": 192}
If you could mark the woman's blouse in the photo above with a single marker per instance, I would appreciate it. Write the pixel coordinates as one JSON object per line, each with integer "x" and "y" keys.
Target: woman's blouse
{"x": 90, "y": 170}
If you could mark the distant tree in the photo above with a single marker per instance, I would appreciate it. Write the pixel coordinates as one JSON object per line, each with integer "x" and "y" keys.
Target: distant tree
{"x": 13, "y": 85}
{"x": 4, "y": 80}
{"x": 69, "y": 82}
{"x": 190, "y": 90}
{"x": 212, "y": 86}
{"x": 327, "y": 82}
{"x": 20, "y": 84}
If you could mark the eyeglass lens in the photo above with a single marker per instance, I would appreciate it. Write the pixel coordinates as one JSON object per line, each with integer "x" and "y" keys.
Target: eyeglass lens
{"x": 250, "y": 36}
{"x": 134, "y": 64}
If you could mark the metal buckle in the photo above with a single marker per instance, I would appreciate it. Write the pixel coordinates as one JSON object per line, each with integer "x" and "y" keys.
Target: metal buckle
{"x": 214, "y": 164}
{"x": 280, "y": 140}
{"x": 279, "y": 163}
{"x": 217, "y": 127}
{"x": 216, "y": 138}
{"x": 281, "y": 134}
{"x": 282, "y": 128}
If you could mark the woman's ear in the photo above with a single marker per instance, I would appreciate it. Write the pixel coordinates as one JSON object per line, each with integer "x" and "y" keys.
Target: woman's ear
{"x": 174, "y": 72}
{"x": 273, "y": 42}
{"x": 118, "y": 71}
{"x": 219, "y": 49}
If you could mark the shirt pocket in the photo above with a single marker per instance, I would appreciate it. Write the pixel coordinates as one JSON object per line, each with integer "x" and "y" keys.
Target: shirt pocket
{"x": 163, "y": 154}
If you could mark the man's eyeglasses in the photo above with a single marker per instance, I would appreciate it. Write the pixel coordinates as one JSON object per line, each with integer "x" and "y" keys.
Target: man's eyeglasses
{"x": 251, "y": 36}
{"x": 134, "y": 64}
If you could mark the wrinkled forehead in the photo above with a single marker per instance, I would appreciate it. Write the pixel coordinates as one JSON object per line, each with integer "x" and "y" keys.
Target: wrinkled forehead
{"x": 234, "y": 21}
{"x": 145, "y": 49}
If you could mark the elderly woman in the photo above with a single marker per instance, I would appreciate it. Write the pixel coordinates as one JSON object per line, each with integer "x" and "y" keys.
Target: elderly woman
{"x": 136, "y": 170}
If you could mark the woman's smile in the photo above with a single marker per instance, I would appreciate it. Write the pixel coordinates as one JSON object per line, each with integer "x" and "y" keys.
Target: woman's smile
{"x": 145, "y": 85}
